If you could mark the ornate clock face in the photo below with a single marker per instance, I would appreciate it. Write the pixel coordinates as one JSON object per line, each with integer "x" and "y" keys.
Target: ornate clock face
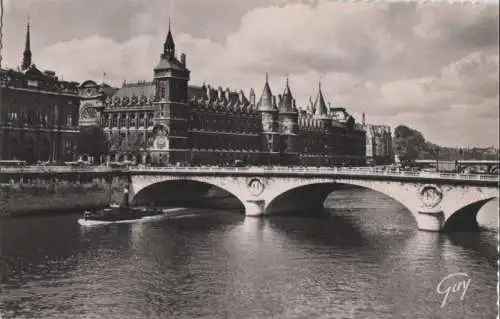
{"x": 161, "y": 142}
{"x": 88, "y": 112}
{"x": 88, "y": 92}
{"x": 431, "y": 195}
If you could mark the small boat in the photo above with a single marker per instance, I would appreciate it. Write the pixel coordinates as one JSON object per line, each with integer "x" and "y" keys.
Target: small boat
{"x": 119, "y": 213}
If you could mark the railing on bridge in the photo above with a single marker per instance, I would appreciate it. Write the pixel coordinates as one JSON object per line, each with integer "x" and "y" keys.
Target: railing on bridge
{"x": 361, "y": 171}
{"x": 354, "y": 171}
{"x": 57, "y": 169}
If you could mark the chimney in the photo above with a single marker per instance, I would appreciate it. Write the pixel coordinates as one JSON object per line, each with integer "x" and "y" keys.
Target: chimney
{"x": 183, "y": 59}
{"x": 252, "y": 97}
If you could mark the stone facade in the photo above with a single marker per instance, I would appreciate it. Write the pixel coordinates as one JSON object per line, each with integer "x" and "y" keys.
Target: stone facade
{"x": 167, "y": 121}
{"x": 38, "y": 114}
{"x": 378, "y": 144}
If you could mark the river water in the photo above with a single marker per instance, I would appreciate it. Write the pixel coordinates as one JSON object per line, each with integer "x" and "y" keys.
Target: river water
{"x": 366, "y": 260}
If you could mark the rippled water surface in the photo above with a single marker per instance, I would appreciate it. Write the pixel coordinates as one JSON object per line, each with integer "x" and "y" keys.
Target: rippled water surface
{"x": 366, "y": 260}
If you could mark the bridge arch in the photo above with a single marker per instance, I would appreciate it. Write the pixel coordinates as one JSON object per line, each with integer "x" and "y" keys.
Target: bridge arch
{"x": 177, "y": 187}
{"x": 310, "y": 195}
{"x": 456, "y": 212}
{"x": 465, "y": 218}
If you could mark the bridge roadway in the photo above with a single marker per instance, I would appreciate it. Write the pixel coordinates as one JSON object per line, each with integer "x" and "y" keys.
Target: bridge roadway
{"x": 438, "y": 201}
{"x": 367, "y": 172}
{"x": 491, "y": 166}
{"x": 41, "y": 169}
{"x": 469, "y": 162}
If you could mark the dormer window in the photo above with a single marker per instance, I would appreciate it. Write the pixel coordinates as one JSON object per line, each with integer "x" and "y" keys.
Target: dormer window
{"x": 32, "y": 83}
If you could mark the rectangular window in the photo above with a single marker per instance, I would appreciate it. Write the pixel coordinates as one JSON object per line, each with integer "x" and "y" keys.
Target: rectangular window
{"x": 69, "y": 119}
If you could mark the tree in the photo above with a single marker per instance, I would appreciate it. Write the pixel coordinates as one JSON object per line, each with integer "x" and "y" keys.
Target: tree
{"x": 408, "y": 143}
{"x": 92, "y": 141}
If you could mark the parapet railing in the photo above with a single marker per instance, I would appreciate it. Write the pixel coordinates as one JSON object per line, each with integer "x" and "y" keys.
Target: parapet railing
{"x": 57, "y": 169}
{"x": 357, "y": 171}
{"x": 354, "y": 171}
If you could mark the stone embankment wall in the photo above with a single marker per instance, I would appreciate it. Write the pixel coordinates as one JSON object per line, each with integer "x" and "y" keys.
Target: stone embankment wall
{"x": 48, "y": 193}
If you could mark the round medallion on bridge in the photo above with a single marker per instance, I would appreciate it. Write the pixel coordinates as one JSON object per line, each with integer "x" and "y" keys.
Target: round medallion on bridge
{"x": 256, "y": 187}
{"x": 431, "y": 195}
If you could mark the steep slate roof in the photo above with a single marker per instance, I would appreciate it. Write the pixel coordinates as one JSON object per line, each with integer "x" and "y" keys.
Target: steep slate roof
{"x": 196, "y": 92}
{"x": 108, "y": 90}
{"x": 137, "y": 89}
{"x": 286, "y": 102}
{"x": 320, "y": 105}
{"x": 165, "y": 64}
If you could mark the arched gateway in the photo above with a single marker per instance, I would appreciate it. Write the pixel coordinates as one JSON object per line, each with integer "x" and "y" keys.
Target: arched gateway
{"x": 433, "y": 199}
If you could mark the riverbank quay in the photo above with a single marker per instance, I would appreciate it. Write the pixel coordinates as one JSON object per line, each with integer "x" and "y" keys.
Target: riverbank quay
{"x": 36, "y": 190}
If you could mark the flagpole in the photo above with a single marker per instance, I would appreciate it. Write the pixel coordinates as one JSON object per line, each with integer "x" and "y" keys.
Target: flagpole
{"x": 1, "y": 90}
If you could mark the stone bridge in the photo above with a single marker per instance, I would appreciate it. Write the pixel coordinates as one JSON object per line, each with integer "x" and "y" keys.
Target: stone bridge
{"x": 438, "y": 201}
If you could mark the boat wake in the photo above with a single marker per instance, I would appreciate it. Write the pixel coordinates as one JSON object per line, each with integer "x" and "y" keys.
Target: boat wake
{"x": 166, "y": 214}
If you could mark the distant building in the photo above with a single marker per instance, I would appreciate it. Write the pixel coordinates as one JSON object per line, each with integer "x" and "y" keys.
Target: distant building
{"x": 38, "y": 113}
{"x": 378, "y": 144}
{"x": 166, "y": 121}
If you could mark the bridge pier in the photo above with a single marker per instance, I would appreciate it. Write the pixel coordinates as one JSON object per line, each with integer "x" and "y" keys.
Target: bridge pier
{"x": 430, "y": 220}
{"x": 254, "y": 207}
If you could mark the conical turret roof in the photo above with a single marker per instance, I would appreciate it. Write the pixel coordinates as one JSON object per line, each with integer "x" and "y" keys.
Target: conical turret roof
{"x": 286, "y": 103}
{"x": 320, "y": 105}
{"x": 266, "y": 99}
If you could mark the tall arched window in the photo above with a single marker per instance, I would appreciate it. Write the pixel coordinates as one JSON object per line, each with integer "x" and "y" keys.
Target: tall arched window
{"x": 69, "y": 119}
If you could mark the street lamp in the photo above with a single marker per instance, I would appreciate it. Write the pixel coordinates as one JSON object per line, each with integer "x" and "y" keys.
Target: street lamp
{"x": 437, "y": 158}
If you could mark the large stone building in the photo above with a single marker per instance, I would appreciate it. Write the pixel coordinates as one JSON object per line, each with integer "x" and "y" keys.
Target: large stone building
{"x": 378, "y": 144}
{"x": 38, "y": 113}
{"x": 166, "y": 121}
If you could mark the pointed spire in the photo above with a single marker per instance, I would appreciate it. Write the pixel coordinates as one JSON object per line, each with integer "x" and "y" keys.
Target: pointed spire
{"x": 27, "y": 49}
{"x": 169, "y": 46}
{"x": 28, "y": 42}
{"x": 287, "y": 87}
{"x": 266, "y": 99}
{"x": 286, "y": 102}
{"x": 319, "y": 105}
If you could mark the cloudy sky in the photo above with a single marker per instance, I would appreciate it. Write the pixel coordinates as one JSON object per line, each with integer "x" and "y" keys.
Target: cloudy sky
{"x": 433, "y": 67}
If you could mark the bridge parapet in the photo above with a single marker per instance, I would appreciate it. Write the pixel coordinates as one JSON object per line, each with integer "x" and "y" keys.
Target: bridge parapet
{"x": 358, "y": 171}
{"x": 59, "y": 169}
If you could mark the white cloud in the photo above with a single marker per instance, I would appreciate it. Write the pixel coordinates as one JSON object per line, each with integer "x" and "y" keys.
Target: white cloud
{"x": 401, "y": 64}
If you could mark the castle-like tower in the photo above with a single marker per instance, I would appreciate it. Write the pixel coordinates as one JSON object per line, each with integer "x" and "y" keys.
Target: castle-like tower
{"x": 168, "y": 122}
{"x": 288, "y": 121}
{"x": 270, "y": 124}
{"x": 171, "y": 79}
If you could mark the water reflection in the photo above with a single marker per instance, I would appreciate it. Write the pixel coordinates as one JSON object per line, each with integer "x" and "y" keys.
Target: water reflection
{"x": 364, "y": 260}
